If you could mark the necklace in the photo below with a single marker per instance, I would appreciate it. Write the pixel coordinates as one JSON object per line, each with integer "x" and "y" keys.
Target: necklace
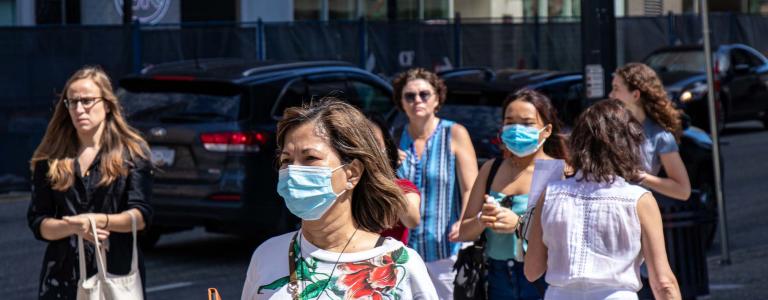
{"x": 301, "y": 256}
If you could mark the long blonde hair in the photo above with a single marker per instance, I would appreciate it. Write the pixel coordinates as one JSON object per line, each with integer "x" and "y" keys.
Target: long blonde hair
{"x": 60, "y": 143}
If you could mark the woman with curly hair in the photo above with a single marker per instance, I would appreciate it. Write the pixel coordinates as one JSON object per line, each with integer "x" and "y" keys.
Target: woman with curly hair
{"x": 638, "y": 86}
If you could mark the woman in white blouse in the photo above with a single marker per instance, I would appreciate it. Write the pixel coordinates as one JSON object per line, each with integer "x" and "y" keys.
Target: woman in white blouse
{"x": 592, "y": 231}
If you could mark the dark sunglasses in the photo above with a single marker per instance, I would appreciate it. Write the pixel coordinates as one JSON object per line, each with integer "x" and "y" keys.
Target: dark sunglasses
{"x": 411, "y": 97}
{"x": 87, "y": 102}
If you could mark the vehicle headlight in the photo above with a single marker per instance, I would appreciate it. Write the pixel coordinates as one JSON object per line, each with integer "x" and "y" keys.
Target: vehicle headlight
{"x": 686, "y": 96}
{"x": 695, "y": 92}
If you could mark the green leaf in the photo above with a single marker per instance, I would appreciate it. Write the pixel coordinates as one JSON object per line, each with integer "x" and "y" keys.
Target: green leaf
{"x": 275, "y": 285}
{"x": 335, "y": 288}
{"x": 312, "y": 264}
{"x": 303, "y": 269}
{"x": 314, "y": 289}
{"x": 400, "y": 256}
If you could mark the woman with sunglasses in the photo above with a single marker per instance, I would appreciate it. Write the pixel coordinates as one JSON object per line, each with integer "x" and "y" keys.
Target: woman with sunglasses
{"x": 437, "y": 155}
{"x": 89, "y": 165}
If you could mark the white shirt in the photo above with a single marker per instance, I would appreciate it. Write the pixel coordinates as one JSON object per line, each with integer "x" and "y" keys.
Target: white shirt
{"x": 389, "y": 269}
{"x": 592, "y": 233}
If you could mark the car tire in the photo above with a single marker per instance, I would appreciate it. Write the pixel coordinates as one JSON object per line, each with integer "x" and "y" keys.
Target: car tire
{"x": 148, "y": 238}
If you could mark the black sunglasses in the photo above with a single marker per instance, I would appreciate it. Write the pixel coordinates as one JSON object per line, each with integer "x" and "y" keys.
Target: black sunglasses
{"x": 411, "y": 97}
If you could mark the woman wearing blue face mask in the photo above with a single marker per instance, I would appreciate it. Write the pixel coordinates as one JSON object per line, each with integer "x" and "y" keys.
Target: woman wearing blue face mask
{"x": 500, "y": 195}
{"x": 334, "y": 177}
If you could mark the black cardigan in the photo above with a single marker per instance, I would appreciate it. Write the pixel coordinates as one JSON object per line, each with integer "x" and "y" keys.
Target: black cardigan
{"x": 59, "y": 275}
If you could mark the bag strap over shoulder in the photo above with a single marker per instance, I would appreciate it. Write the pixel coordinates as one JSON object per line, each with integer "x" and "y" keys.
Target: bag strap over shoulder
{"x": 492, "y": 174}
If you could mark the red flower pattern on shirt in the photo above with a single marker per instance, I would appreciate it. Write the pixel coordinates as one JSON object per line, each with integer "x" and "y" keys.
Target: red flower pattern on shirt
{"x": 369, "y": 279}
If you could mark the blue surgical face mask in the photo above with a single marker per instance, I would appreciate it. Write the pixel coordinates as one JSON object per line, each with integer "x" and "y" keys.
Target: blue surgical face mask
{"x": 307, "y": 190}
{"x": 521, "y": 140}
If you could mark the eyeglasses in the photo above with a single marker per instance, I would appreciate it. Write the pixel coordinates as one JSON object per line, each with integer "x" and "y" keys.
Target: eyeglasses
{"x": 411, "y": 97}
{"x": 86, "y": 102}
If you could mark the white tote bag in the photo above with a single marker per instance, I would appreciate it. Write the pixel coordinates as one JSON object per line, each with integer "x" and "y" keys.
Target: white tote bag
{"x": 105, "y": 286}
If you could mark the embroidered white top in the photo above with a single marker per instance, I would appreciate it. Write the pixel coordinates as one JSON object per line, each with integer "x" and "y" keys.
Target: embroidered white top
{"x": 391, "y": 270}
{"x": 592, "y": 233}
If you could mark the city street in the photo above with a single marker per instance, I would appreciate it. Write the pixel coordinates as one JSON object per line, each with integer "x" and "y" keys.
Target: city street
{"x": 184, "y": 265}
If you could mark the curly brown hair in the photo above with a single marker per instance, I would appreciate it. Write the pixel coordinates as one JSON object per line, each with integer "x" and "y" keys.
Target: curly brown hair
{"x": 555, "y": 145}
{"x": 656, "y": 104}
{"x": 400, "y": 80}
{"x": 606, "y": 142}
{"x": 376, "y": 199}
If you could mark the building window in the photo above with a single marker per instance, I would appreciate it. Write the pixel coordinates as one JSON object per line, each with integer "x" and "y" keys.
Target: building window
{"x": 57, "y": 12}
{"x": 7, "y": 13}
{"x": 207, "y": 11}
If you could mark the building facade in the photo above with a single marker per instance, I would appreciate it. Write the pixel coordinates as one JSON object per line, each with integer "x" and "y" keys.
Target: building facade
{"x": 104, "y": 12}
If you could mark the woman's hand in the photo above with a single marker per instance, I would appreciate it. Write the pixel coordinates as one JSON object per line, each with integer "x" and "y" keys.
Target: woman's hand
{"x": 453, "y": 236}
{"x": 401, "y": 156}
{"x": 80, "y": 225}
{"x": 497, "y": 218}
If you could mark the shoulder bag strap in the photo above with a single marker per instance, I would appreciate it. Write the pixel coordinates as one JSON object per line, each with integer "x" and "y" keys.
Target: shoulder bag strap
{"x": 101, "y": 264}
{"x": 492, "y": 174}
{"x": 81, "y": 254}
{"x": 488, "y": 181}
{"x": 293, "y": 283}
{"x": 135, "y": 255}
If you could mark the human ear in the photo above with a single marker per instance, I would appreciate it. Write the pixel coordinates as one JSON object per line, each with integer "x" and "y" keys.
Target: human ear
{"x": 354, "y": 171}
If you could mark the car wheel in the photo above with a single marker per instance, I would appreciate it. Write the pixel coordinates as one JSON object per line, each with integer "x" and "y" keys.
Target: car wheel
{"x": 148, "y": 238}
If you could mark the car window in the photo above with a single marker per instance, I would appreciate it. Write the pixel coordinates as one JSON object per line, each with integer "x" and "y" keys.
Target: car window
{"x": 368, "y": 97}
{"x": 294, "y": 94}
{"x": 566, "y": 98}
{"x": 741, "y": 57}
{"x": 179, "y": 103}
{"x": 480, "y": 113}
{"x": 674, "y": 61}
{"x": 331, "y": 87}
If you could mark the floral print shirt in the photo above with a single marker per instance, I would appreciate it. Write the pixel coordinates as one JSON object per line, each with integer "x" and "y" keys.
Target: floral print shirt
{"x": 390, "y": 271}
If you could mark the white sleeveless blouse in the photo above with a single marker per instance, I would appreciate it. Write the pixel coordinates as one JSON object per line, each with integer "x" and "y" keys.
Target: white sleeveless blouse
{"x": 592, "y": 233}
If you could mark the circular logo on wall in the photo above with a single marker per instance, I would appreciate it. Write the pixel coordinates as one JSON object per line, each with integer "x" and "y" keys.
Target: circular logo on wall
{"x": 146, "y": 11}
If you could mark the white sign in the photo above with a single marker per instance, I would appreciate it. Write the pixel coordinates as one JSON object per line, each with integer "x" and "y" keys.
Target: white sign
{"x": 595, "y": 81}
{"x": 146, "y": 11}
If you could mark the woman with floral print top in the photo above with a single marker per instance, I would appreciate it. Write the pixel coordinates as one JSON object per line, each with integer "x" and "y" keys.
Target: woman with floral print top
{"x": 333, "y": 177}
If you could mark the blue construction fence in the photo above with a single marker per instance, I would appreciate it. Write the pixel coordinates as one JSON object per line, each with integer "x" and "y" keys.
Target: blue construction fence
{"x": 36, "y": 61}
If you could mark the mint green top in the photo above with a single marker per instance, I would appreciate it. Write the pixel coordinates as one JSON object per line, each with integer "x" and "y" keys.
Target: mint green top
{"x": 503, "y": 246}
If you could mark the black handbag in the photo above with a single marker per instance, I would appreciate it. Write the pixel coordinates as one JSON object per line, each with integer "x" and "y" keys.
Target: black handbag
{"x": 471, "y": 266}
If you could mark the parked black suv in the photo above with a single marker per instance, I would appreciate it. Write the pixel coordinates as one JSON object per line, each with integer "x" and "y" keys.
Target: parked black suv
{"x": 211, "y": 126}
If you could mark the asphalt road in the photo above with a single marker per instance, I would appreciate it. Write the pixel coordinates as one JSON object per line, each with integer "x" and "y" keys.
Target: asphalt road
{"x": 184, "y": 265}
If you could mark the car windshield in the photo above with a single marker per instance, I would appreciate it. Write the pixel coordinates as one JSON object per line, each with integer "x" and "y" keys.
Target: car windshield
{"x": 676, "y": 61}
{"x": 177, "y": 107}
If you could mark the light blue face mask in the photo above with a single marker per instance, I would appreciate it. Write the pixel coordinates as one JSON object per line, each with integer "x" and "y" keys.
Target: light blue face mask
{"x": 521, "y": 140}
{"x": 307, "y": 190}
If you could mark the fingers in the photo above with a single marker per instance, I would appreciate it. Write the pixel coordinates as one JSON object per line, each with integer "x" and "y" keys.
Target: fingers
{"x": 102, "y": 234}
{"x": 401, "y": 155}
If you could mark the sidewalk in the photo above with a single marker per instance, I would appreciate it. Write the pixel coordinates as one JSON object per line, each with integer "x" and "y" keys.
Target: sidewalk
{"x": 746, "y": 277}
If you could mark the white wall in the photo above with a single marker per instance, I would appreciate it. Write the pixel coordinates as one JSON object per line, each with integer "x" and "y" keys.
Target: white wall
{"x": 267, "y": 10}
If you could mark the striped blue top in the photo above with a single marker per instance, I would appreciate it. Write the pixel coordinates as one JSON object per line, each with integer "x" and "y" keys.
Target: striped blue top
{"x": 435, "y": 176}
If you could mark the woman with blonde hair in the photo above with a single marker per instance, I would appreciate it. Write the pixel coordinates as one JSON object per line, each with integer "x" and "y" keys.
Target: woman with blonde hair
{"x": 638, "y": 86}
{"x": 89, "y": 165}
